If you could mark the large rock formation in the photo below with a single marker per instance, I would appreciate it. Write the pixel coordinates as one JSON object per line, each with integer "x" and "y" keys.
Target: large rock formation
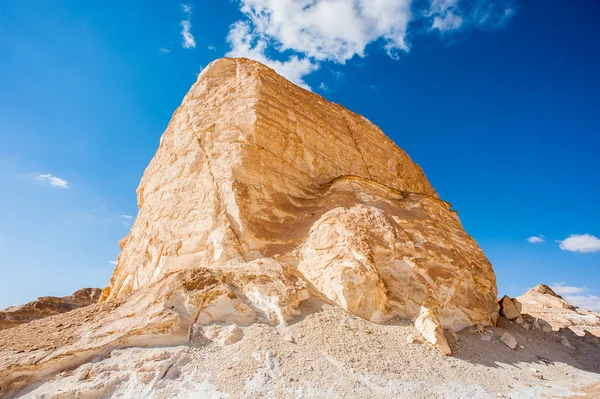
{"x": 255, "y": 175}
{"x": 263, "y": 203}
{"x": 551, "y": 310}
{"x": 47, "y": 306}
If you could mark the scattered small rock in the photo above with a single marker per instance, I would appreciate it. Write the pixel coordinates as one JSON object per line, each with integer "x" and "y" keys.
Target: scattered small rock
{"x": 566, "y": 342}
{"x": 544, "y": 360}
{"x": 486, "y": 337}
{"x": 412, "y": 339}
{"x": 290, "y": 339}
{"x": 509, "y": 340}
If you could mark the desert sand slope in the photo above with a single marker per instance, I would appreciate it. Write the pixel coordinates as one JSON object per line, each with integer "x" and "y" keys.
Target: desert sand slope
{"x": 47, "y": 306}
{"x": 326, "y": 353}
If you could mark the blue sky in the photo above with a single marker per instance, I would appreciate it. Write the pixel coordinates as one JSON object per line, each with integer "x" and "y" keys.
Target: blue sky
{"x": 498, "y": 101}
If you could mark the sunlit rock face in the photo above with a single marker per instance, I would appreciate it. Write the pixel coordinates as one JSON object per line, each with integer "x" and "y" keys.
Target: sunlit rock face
{"x": 47, "y": 306}
{"x": 550, "y": 309}
{"x": 253, "y": 170}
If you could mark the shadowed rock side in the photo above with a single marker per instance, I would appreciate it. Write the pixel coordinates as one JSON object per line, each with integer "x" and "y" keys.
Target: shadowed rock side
{"x": 47, "y": 306}
{"x": 252, "y": 167}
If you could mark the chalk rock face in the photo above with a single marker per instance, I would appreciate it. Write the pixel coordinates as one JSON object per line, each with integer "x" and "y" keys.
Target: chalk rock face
{"x": 553, "y": 312}
{"x": 253, "y": 169}
{"x": 47, "y": 306}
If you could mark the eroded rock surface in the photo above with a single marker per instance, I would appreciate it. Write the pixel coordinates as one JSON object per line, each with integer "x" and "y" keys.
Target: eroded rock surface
{"x": 252, "y": 167}
{"x": 47, "y": 306}
{"x": 262, "y": 197}
{"x": 552, "y": 312}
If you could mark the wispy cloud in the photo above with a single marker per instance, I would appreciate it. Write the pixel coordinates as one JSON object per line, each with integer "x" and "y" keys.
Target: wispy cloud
{"x": 245, "y": 43}
{"x": 212, "y": 48}
{"x": 186, "y": 26}
{"x": 299, "y": 35}
{"x": 164, "y": 50}
{"x": 51, "y": 180}
{"x": 563, "y": 289}
{"x": 536, "y": 239}
{"x": 128, "y": 217}
{"x": 113, "y": 262}
{"x": 589, "y": 302}
{"x": 323, "y": 87}
{"x": 577, "y": 296}
{"x": 580, "y": 243}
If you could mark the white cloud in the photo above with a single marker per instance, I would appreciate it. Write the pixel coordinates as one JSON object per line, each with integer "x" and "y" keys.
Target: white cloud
{"x": 163, "y": 50}
{"x": 245, "y": 44}
{"x": 589, "y": 302}
{"x": 580, "y": 243}
{"x": 113, "y": 262}
{"x": 188, "y": 38}
{"x": 52, "y": 180}
{"x": 323, "y": 87}
{"x": 536, "y": 239}
{"x": 305, "y": 33}
{"x": 212, "y": 48}
{"x": 562, "y": 289}
{"x": 451, "y": 15}
{"x": 128, "y": 217}
{"x": 187, "y": 8}
{"x": 186, "y": 26}
{"x": 576, "y": 296}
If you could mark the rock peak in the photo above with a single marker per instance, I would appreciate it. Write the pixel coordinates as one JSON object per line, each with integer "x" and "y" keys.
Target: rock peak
{"x": 543, "y": 289}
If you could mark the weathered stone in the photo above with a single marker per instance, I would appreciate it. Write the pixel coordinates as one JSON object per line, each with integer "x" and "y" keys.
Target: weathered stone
{"x": 508, "y": 308}
{"x": 252, "y": 167}
{"x": 262, "y": 196}
{"x": 47, "y": 306}
{"x": 509, "y": 340}
{"x": 554, "y": 313}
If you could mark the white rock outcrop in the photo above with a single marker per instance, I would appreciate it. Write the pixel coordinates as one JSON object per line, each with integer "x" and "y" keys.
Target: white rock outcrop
{"x": 254, "y": 169}
{"x": 262, "y": 196}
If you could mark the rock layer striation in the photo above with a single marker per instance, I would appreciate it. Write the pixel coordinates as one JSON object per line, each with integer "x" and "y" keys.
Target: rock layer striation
{"x": 253, "y": 170}
{"x": 47, "y": 306}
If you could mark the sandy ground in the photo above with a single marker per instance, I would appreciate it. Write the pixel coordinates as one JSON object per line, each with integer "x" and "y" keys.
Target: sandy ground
{"x": 334, "y": 354}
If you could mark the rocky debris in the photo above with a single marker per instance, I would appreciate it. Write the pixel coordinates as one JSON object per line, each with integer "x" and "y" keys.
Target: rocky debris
{"x": 545, "y": 360}
{"x": 289, "y": 339}
{"x": 509, "y": 340}
{"x": 565, "y": 342}
{"x": 537, "y": 374}
{"x": 552, "y": 313}
{"x": 340, "y": 355}
{"x": 510, "y": 308}
{"x": 224, "y": 335}
{"x": 47, "y": 306}
{"x": 486, "y": 337}
{"x": 431, "y": 329}
{"x": 591, "y": 338}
